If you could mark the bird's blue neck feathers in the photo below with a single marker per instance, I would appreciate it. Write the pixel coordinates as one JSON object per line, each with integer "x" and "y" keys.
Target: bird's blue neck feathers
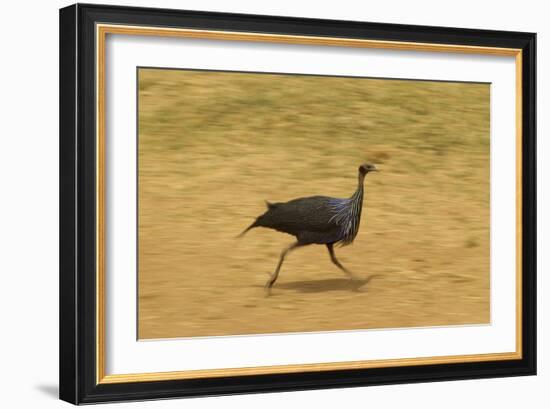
{"x": 347, "y": 213}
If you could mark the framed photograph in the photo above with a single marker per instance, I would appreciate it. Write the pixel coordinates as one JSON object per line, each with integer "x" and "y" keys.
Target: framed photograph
{"x": 256, "y": 203}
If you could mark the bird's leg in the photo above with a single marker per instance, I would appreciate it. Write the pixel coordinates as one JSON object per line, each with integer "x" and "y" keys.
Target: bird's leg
{"x": 274, "y": 276}
{"x": 330, "y": 248}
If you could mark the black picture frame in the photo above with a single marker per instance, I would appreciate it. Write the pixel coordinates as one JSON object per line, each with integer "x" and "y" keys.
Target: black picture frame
{"x": 78, "y": 360}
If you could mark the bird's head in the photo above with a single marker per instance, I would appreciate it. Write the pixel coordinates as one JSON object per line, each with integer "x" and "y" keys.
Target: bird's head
{"x": 366, "y": 168}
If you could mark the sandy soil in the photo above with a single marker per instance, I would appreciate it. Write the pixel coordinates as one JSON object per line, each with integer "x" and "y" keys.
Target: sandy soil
{"x": 214, "y": 146}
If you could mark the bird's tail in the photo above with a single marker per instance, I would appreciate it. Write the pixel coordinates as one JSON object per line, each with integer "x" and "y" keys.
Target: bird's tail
{"x": 260, "y": 220}
{"x": 248, "y": 228}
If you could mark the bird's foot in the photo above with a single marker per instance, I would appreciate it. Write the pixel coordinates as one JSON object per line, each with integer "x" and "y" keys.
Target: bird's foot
{"x": 267, "y": 289}
{"x": 268, "y": 285}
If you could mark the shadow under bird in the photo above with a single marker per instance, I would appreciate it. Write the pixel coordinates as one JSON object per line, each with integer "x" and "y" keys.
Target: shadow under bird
{"x": 316, "y": 220}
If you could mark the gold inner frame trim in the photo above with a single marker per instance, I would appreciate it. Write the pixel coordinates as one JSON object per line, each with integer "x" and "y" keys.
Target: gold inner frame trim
{"x": 101, "y": 33}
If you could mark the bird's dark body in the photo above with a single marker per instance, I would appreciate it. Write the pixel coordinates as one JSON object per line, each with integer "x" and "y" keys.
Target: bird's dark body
{"x": 316, "y": 220}
{"x": 312, "y": 220}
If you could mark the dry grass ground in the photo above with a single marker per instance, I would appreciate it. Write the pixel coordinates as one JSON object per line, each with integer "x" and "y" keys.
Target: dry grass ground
{"x": 214, "y": 146}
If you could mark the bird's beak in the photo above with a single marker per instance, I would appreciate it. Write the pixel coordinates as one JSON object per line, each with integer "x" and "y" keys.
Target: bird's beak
{"x": 375, "y": 169}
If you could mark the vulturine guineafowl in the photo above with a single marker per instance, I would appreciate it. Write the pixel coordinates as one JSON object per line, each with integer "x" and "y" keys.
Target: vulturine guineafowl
{"x": 316, "y": 220}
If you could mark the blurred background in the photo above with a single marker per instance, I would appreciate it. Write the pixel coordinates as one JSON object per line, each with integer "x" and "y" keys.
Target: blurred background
{"x": 214, "y": 145}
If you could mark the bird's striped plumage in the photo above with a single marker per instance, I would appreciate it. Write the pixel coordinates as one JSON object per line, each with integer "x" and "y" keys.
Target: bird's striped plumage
{"x": 347, "y": 215}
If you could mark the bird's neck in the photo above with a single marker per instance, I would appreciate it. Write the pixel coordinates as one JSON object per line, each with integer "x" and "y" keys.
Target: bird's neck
{"x": 358, "y": 194}
{"x": 355, "y": 205}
